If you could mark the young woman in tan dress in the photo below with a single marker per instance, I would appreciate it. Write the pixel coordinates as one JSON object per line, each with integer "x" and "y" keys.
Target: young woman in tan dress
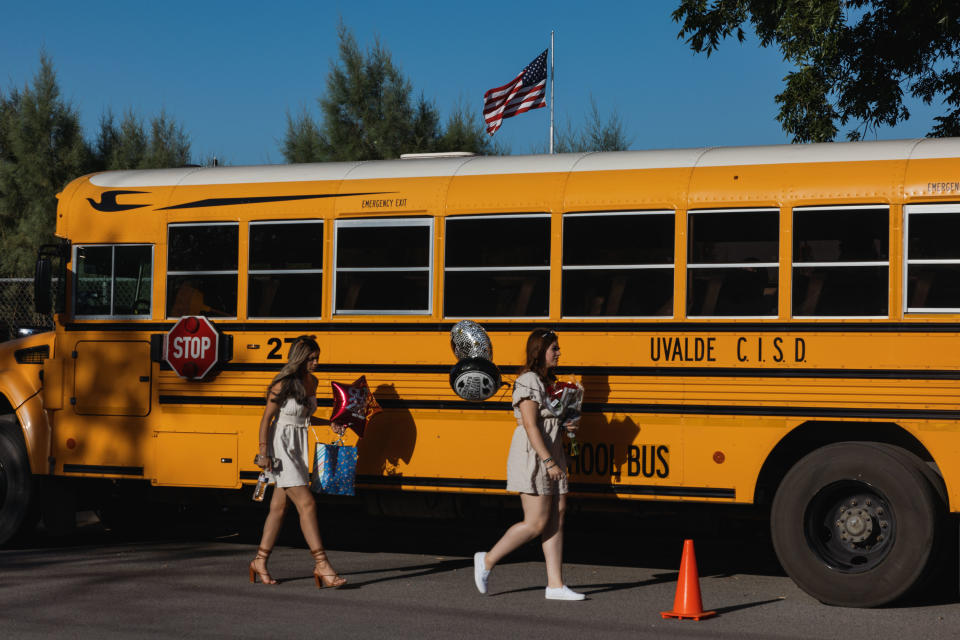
{"x": 536, "y": 469}
{"x": 284, "y": 451}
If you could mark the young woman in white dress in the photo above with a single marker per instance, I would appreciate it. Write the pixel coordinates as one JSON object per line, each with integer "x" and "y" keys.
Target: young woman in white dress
{"x": 536, "y": 469}
{"x": 284, "y": 453}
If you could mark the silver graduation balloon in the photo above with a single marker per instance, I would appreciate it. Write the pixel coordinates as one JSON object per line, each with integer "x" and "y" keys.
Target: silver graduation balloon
{"x": 469, "y": 340}
{"x": 474, "y": 377}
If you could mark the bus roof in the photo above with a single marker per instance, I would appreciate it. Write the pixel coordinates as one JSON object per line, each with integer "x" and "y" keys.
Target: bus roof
{"x": 921, "y": 148}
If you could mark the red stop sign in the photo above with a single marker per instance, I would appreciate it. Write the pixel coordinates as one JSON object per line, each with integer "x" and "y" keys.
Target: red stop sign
{"x": 192, "y": 347}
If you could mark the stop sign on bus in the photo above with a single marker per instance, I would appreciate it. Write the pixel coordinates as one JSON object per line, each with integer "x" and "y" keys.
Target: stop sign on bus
{"x": 192, "y": 347}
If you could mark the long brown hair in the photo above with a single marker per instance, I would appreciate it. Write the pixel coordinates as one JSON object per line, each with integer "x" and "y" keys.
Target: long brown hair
{"x": 537, "y": 344}
{"x": 292, "y": 373}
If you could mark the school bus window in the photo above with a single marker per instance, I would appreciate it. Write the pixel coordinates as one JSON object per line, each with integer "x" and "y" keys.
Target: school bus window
{"x": 841, "y": 261}
{"x": 497, "y": 266}
{"x": 933, "y": 258}
{"x": 285, "y": 276}
{"x": 383, "y": 266}
{"x": 113, "y": 280}
{"x": 732, "y": 260}
{"x": 202, "y": 269}
{"x": 618, "y": 264}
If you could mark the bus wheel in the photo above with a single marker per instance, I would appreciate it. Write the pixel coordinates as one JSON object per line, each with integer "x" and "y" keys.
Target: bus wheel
{"x": 16, "y": 481}
{"x": 854, "y": 523}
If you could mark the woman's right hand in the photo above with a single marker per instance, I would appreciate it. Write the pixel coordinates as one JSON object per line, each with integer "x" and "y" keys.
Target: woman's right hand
{"x": 554, "y": 472}
{"x": 264, "y": 461}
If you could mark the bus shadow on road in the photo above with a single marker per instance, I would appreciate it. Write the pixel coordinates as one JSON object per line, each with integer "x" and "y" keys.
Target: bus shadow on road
{"x": 603, "y": 587}
{"x": 396, "y": 573}
{"x": 747, "y": 605}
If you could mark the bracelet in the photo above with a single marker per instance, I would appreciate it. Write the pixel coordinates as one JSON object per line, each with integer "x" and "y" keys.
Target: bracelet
{"x": 546, "y": 460}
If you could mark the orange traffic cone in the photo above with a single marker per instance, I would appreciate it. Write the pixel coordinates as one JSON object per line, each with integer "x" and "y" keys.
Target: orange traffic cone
{"x": 686, "y": 604}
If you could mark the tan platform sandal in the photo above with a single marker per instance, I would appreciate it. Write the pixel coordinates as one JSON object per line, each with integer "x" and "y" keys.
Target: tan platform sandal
{"x": 330, "y": 580}
{"x": 262, "y": 555}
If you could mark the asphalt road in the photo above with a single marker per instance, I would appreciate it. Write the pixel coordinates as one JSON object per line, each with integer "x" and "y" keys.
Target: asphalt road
{"x": 186, "y": 577}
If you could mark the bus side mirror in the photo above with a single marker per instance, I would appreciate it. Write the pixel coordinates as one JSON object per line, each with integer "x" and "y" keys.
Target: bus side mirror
{"x": 41, "y": 285}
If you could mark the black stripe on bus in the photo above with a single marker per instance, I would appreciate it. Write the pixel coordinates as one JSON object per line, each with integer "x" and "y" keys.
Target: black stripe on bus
{"x": 560, "y": 326}
{"x": 609, "y": 407}
{"x": 652, "y": 490}
{"x": 246, "y": 401}
{"x": 104, "y": 469}
{"x": 579, "y": 487}
{"x": 697, "y": 372}
{"x": 221, "y": 202}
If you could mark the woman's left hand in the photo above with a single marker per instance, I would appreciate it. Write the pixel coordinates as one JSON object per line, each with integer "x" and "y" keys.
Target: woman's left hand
{"x": 571, "y": 426}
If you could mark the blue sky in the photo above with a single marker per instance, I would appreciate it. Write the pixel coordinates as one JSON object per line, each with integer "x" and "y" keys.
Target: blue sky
{"x": 229, "y": 72}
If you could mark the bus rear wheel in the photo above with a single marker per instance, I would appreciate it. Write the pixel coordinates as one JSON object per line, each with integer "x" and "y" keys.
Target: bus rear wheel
{"x": 16, "y": 481}
{"x": 854, "y": 524}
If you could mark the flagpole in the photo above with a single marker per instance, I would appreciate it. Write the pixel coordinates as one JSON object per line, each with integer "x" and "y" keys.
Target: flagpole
{"x": 552, "y": 95}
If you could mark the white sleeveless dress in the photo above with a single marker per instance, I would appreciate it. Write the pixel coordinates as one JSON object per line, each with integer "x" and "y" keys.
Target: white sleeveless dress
{"x": 291, "y": 443}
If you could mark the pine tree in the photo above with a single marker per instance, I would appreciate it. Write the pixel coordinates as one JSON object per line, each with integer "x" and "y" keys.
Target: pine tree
{"x": 465, "y": 132}
{"x": 596, "y": 134}
{"x": 367, "y": 109}
{"x": 368, "y": 113}
{"x": 41, "y": 149}
{"x": 302, "y": 142}
{"x": 129, "y": 146}
{"x": 168, "y": 146}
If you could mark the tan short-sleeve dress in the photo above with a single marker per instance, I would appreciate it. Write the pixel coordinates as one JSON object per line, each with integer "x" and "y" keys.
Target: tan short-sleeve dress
{"x": 526, "y": 473}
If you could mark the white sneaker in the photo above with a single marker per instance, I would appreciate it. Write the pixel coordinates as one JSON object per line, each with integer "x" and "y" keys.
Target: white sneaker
{"x": 480, "y": 572}
{"x": 563, "y": 593}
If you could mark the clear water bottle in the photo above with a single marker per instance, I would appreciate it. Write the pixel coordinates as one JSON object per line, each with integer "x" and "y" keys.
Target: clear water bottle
{"x": 261, "y": 489}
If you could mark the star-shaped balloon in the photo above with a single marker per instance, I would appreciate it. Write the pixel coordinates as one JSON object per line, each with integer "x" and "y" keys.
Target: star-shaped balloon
{"x": 353, "y": 404}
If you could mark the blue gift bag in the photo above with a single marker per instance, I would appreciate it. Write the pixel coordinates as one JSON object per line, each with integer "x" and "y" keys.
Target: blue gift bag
{"x": 334, "y": 469}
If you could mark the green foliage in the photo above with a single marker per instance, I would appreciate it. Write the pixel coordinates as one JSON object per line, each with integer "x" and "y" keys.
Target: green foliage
{"x": 129, "y": 146}
{"x": 853, "y": 58}
{"x": 169, "y": 145}
{"x": 466, "y": 132}
{"x": 302, "y": 142}
{"x": 368, "y": 113}
{"x": 41, "y": 149}
{"x": 596, "y": 134}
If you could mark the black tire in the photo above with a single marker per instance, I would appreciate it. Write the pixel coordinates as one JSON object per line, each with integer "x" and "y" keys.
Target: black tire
{"x": 16, "y": 481}
{"x": 855, "y": 524}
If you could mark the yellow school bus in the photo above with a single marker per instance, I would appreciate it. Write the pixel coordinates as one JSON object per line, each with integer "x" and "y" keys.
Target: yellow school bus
{"x": 773, "y": 325}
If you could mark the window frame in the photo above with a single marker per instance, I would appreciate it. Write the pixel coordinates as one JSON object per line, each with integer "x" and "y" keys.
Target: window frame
{"x": 258, "y": 272}
{"x": 672, "y": 266}
{"x": 857, "y": 263}
{"x": 217, "y": 272}
{"x": 730, "y": 265}
{"x": 496, "y": 216}
{"x": 113, "y": 276}
{"x": 419, "y": 221}
{"x": 920, "y": 209}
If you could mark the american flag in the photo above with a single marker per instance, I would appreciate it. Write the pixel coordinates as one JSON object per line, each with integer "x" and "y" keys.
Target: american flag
{"x": 527, "y": 91}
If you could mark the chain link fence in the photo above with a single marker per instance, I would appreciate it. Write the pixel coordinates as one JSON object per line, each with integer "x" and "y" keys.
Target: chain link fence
{"x": 17, "y": 315}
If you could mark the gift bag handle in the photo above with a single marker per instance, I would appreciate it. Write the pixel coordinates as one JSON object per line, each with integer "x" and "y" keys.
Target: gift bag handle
{"x": 338, "y": 442}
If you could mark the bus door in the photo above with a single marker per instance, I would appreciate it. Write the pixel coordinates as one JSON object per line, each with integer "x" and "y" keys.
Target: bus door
{"x": 111, "y": 378}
